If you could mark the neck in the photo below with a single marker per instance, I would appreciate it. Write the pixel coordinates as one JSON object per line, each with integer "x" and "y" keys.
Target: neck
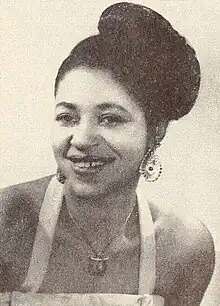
{"x": 102, "y": 216}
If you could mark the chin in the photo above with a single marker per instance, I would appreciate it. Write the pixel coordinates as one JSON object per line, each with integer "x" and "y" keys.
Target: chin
{"x": 85, "y": 186}
{"x": 86, "y": 190}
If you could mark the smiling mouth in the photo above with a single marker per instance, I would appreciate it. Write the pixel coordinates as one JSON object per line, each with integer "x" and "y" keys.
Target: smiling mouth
{"x": 90, "y": 163}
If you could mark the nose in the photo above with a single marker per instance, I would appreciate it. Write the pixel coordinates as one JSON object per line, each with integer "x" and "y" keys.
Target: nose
{"x": 84, "y": 136}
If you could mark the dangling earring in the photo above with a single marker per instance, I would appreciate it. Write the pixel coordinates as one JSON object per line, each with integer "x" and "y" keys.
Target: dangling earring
{"x": 60, "y": 176}
{"x": 150, "y": 166}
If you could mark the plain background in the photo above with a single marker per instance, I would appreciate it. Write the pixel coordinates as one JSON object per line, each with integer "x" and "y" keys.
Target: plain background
{"x": 37, "y": 35}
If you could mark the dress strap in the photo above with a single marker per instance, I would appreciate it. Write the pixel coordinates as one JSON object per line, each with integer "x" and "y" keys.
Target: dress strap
{"x": 147, "y": 267}
{"x": 42, "y": 247}
{"x": 49, "y": 214}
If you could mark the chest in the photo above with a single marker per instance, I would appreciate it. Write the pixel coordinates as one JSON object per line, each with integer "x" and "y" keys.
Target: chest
{"x": 68, "y": 269}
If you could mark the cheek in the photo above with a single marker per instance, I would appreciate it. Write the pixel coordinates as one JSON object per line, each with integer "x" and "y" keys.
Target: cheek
{"x": 135, "y": 147}
{"x": 60, "y": 140}
{"x": 130, "y": 142}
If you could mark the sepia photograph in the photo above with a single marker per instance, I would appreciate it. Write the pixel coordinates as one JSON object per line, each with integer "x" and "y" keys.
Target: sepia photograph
{"x": 110, "y": 141}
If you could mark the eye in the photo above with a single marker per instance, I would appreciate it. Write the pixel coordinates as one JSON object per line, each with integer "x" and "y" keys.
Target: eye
{"x": 67, "y": 119}
{"x": 111, "y": 120}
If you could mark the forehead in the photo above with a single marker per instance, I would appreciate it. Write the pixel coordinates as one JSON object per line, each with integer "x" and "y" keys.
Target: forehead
{"x": 90, "y": 86}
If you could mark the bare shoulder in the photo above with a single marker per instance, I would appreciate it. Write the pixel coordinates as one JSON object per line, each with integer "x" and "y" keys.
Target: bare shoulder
{"x": 28, "y": 193}
{"x": 19, "y": 209}
{"x": 188, "y": 233}
{"x": 185, "y": 255}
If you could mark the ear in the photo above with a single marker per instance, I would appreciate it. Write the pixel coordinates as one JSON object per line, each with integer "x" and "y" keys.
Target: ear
{"x": 156, "y": 133}
{"x": 160, "y": 131}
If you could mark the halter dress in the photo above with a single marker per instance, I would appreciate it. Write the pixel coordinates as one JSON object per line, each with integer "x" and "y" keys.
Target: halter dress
{"x": 42, "y": 248}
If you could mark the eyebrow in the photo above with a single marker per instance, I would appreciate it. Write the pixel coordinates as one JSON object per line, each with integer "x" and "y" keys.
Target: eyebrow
{"x": 108, "y": 105}
{"x": 102, "y": 106}
{"x": 68, "y": 105}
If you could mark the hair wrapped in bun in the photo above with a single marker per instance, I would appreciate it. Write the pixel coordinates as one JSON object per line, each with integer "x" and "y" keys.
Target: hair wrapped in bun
{"x": 143, "y": 52}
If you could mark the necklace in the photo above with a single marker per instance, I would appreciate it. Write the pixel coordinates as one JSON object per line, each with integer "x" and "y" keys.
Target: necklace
{"x": 98, "y": 263}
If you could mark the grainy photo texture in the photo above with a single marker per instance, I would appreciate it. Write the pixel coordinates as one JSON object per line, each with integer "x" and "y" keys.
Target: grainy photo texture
{"x": 109, "y": 153}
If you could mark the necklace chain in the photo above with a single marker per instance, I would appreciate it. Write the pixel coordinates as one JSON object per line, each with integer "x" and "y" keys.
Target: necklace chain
{"x": 88, "y": 242}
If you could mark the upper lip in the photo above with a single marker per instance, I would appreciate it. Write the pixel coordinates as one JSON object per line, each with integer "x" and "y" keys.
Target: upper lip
{"x": 90, "y": 158}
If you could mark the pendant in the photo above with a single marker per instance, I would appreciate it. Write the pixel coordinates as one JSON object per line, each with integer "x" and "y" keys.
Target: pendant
{"x": 97, "y": 265}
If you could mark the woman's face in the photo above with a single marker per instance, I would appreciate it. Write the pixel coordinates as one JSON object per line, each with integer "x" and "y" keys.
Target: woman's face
{"x": 99, "y": 133}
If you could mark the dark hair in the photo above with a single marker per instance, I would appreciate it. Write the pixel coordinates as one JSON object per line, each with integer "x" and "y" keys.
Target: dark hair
{"x": 146, "y": 55}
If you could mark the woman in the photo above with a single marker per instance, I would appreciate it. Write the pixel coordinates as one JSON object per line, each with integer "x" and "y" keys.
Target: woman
{"x": 91, "y": 228}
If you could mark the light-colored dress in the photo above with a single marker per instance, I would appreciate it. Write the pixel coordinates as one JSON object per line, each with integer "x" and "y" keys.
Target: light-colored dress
{"x": 42, "y": 248}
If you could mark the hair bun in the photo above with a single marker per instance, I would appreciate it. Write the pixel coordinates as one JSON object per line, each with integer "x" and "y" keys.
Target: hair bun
{"x": 129, "y": 21}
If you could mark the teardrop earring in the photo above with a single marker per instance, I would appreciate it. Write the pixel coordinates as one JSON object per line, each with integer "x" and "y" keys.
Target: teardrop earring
{"x": 60, "y": 176}
{"x": 150, "y": 167}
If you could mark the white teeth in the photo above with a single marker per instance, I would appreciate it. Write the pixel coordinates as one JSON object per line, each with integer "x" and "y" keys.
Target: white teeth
{"x": 88, "y": 164}
{"x": 82, "y": 164}
{"x": 96, "y": 164}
